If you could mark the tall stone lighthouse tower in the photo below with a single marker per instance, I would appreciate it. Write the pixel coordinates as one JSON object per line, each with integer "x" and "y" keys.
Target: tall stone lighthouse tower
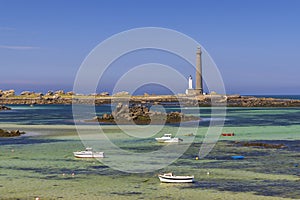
{"x": 199, "y": 82}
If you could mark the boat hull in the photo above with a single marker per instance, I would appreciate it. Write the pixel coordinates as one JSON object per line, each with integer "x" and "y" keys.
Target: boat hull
{"x": 176, "y": 179}
{"x": 160, "y": 140}
{"x": 172, "y": 140}
{"x": 237, "y": 157}
{"x": 94, "y": 155}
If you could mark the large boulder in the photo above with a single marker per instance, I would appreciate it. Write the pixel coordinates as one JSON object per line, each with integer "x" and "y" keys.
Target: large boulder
{"x": 71, "y": 93}
{"x": 56, "y": 96}
{"x": 107, "y": 116}
{"x": 49, "y": 93}
{"x": 39, "y": 94}
{"x": 103, "y": 94}
{"x": 120, "y": 94}
{"x": 59, "y": 92}
{"x": 8, "y": 93}
{"x": 26, "y": 93}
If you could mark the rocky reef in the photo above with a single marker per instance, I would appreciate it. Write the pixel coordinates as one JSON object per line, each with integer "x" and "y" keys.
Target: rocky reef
{"x": 250, "y": 101}
{"x": 13, "y": 133}
{"x": 261, "y": 145}
{"x": 2, "y": 107}
{"x": 140, "y": 114}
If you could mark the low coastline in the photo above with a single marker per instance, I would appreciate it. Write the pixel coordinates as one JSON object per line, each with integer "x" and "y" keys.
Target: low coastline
{"x": 202, "y": 100}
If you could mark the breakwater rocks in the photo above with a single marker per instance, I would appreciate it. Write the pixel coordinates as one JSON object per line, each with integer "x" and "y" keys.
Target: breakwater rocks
{"x": 13, "y": 133}
{"x": 4, "y": 108}
{"x": 138, "y": 114}
{"x": 59, "y": 97}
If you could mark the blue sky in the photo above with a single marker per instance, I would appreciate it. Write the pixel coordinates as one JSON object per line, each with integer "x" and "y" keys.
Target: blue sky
{"x": 255, "y": 44}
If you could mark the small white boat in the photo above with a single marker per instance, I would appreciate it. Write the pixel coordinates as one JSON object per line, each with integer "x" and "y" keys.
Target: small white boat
{"x": 88, "y": 153}
{"x": 168, "y": 139}
{"x": 170, "y": 178}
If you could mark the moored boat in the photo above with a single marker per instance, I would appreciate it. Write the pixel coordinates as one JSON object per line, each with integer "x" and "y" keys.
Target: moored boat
{"x": 237, "y": 157}
{"x": 171, "y": 178}
{"x": 167, "y": 138}
{"x": 88, "y": 153}
{"x": 227, "y": 134}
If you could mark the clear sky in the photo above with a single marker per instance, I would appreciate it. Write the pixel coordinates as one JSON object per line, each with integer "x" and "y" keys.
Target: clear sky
{"x": 255, "y": 43}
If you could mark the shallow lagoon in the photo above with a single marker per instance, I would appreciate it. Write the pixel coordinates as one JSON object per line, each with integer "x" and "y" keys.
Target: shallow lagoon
{"x": 41, "y": 163}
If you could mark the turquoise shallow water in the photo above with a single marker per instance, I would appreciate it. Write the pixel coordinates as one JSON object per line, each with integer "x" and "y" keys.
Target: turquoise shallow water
{"x": 41, "y": 164}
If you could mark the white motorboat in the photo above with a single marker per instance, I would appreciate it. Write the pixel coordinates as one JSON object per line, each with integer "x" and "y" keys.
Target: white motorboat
{"x": 168, "y": 139}
{"x": 88, "y": 153}
{"x": 170, "y": 178}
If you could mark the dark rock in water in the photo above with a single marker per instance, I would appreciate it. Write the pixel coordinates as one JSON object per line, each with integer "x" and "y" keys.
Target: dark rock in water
{"x": 262, "y": 145}
{"x": 140, "y": 114}
{"x": 4, "y": 108}
{"x": 13, "y": 133}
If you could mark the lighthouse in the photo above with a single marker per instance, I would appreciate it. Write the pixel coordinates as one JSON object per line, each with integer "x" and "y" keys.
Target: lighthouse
{"x": 199, "y": 82}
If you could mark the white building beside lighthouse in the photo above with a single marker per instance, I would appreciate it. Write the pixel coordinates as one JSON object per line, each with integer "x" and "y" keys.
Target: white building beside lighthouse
{"x": 190, "y": 83}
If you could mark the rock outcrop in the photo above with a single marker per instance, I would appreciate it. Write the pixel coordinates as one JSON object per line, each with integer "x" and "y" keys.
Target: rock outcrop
{"x": 49, "y": 93}
{"x": 70, "y": 93}
{"x": 121, "y": 94}
{"x": 139, "y": 114}
{"x": 4, "y": 108}
{"x": 13, "y": 133}
{"x": 7, "y": 93}
{"x": 59, "y": 92}
{"x": 26, "y": 93}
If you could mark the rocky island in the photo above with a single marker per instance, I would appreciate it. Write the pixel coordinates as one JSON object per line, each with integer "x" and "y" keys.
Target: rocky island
{"x": 141, "y": 115}
{"x": 213, "y": 99}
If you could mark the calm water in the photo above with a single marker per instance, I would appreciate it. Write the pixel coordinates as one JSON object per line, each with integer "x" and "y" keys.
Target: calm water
{"x": 41, "y": 162}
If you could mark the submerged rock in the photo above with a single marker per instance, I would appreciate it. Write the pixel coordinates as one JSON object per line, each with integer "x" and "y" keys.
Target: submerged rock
{"x": 13, "y": 133}
{"x": 4, "y": 108}
{"x": 261, "y": 145}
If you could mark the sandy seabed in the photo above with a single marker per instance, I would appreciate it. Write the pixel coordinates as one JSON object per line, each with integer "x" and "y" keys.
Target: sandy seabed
{"x": 42, "y": 165}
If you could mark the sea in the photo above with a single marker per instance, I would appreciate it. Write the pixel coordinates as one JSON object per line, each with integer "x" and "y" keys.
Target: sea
{"x": 40, "y": 164}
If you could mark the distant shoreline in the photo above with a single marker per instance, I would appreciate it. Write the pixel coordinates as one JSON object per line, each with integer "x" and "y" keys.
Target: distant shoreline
{"x": 277, "y": 96}
{"x": 201, "y": 100}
